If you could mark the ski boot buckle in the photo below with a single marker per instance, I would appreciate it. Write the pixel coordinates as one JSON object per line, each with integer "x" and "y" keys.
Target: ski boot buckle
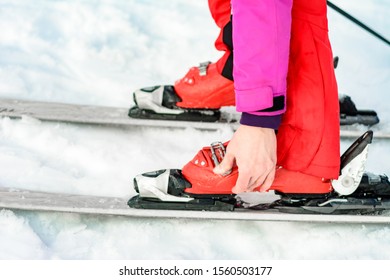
{"x": 203, "y": 68}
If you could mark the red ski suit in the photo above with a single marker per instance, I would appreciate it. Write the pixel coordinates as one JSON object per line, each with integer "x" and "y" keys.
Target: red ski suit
{"x": 308, "y": 137}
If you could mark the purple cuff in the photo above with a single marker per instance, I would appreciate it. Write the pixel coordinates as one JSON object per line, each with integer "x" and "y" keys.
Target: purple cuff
{"x": 261, "y": 121}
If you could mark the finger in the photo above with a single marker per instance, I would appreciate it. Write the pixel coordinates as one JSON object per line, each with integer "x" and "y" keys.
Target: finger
{"x": 225, "y": 166}
{"x": 242, "y": 182}
{"x": 264, "y": 181}
{"x": 253, "y": 182}
{"x": 258, "y": 182}
{"x": 268, "y": 181}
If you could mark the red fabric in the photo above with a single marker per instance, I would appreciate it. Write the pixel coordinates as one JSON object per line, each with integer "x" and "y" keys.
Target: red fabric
{"x": 308, "y": 138}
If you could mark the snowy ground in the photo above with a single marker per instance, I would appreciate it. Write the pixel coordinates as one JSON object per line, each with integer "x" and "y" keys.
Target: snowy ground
{"x": 97, "y": 52}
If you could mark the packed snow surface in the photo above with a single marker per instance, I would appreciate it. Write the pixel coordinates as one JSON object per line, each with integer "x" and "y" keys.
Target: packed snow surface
{"x": 98, "y": 52}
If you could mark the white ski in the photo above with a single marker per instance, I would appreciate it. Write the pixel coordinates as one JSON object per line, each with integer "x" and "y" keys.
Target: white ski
{"x": 95, "y": 205}
{"x": 95, "y": 115}
{"x": 114, "y": 116}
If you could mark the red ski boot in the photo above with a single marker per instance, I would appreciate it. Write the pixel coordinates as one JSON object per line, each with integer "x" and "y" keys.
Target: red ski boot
{"x": 199, "y": 172}
{"x": 196, "y": 97}
{"x": 204, "y": 87}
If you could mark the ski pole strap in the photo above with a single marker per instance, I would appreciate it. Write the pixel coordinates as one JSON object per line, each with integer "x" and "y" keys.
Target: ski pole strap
{"x": 356, "y": 21}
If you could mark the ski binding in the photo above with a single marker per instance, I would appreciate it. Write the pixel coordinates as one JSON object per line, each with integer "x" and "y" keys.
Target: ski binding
{"x": 355, "y": 191}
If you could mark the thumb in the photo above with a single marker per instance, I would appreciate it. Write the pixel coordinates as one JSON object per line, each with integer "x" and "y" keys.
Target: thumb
{"x": 225, "y": 166}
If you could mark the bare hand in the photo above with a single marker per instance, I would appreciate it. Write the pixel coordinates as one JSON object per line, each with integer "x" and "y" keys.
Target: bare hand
{"x": 254, "y": 151}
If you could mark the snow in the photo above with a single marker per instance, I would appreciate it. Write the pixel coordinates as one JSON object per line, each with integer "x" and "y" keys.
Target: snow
{"x": 97, "y": 52}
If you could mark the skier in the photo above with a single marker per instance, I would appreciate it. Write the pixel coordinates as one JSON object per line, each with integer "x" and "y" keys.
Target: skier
{"x": 307, "y": 142}
{"x": 284, "y": 81}
{"x": 279, "y": 55}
